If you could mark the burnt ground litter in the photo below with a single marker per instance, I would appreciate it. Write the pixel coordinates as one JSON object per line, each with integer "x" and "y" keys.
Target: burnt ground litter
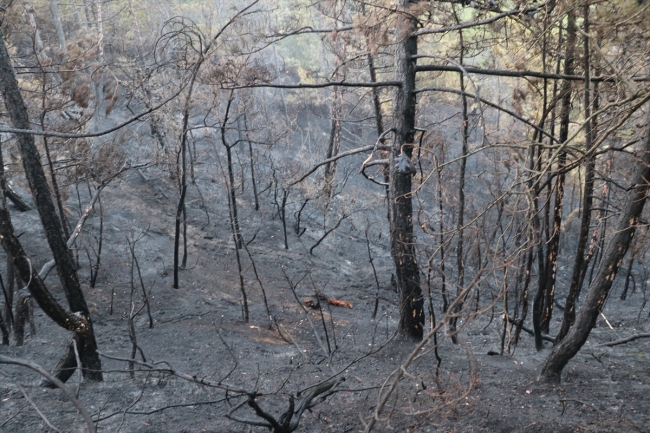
{"x": 198, "y": 329}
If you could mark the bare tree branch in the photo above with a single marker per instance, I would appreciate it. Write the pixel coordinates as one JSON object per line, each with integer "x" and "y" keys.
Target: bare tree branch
{"x": 32, "y": 365}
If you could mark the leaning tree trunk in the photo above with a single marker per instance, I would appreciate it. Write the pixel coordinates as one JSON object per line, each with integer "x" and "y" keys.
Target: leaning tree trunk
{"x": 602, "y": 282}
{"x": 51, "y": 224}
{"x": 411, "y": 303}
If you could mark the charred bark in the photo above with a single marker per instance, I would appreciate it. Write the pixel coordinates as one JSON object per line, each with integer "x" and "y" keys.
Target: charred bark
{"x": 460, "y": 259}
{"x": 407, "y": 271}
{"x": 580, "y": 265}
{"x": 51, "y": 225}
{"x": 17, "y": 200}
{"x": 554, "y": 241}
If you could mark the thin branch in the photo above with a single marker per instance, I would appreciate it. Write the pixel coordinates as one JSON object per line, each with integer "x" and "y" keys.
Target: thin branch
{"x": 32, "y": 365}
{"x": 38, "y": 411}
{"x": 315, "y": 85}
{"x": 160, "y": 409}
{"x": 311, "y": 250}
{"x": 339, "y": 156}
{"x": 47, "y": 267}
{"x": 516, "y": 74}
{"x": 479, "y": 23}
{"x": 127, "y": 122}
{"x": 489, "y": 104}
{"x": 156, "y": 366}
{"x": 624, "y": 340}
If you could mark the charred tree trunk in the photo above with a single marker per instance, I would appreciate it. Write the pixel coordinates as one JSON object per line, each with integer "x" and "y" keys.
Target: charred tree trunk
{"x": 587, "y": 200}
{"x": 5, "y": 332}
{"x": 554, "y": 241}
{"x": 251, "y": 159}
{"x": 21, "y": 316}
{"x": 9, "y": 293}
{"x": 334, "y": 144}
{"x": 607, "y": 270}
{"x": 51, "y": 225}
{"x": 232, "y": 190}
{"x": 411, "y": 302}
{"x": 379, "y": 118}
{"x": 460, "y": 259}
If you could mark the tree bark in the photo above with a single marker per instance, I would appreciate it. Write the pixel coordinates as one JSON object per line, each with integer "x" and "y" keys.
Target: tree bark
{"x": 612, "y": 258}
{"x": 9, "y": 289}
{"x": 379, "y": 118}
{"x": 43, "y": 199}
{"x": 460, "y": 259}
{"x": 411, "y": 302}
{"x": 334, "y": 144}
{"x": 554, "y": 241}
{"x": 580, "y": 265}
{"x": 17, "y": 200}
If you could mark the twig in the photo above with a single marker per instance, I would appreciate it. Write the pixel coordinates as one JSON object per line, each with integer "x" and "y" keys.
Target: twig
{"x": 302, "y": 352}
{"x": 47, "y": 267}
{"x": 374, "y": 272}
{"x": 290, "y": 419}
{"x": 293, "y": 290}
{"x": 516, "y": 322}
{"x": 322, "y": 318}
{"x": 339, "y": 156}
{"x": 144, "y": 386}
{"x": 14, "y": 415}
{"x": 156, "y": 366}
{"x": 137, "y": 266}
{"x": 311, "y": 250}
{"x": 32, "y": 365}
{"x": 624, "y": 340}
{"x": 79, "y": 375}
{"x": 259, "y": 281}
{"x": 160, "y": 409}
{"x": 398, "y": 373}
{"x": 232, "y": 355}
{"x": 38, "y": 411}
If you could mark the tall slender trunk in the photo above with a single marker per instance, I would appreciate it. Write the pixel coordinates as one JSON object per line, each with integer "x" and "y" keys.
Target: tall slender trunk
{"x": 460, "y": 259}
{"x": 535, "y": 233}
{"x": 334, "y": 144}
{"x": 379, "y": 118}
{"x": 441, "y": 225}
{"x": 411, "y": 302}
{"x": 587, "y": 199}
{"x": 232, "y": 192}
{"x": 554, "y": 241}
{"x": 180, "y": 209}
{"x": 251, "y": 160}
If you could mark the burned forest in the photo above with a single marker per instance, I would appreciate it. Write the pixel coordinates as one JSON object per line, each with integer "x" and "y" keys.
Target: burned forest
{"x": 330, "y": 216}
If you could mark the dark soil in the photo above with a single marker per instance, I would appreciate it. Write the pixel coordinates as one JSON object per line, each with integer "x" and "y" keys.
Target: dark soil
{"x": 198, "y": 329}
